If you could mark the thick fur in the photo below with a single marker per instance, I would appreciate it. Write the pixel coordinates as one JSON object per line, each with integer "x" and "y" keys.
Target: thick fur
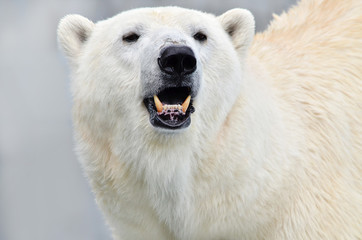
{"x": 274, "y": 149}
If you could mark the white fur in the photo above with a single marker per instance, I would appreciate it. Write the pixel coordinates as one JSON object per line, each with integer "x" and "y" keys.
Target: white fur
{"x": 274, "y": 147}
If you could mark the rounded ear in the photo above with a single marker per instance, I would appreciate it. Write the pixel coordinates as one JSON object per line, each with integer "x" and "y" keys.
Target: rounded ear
{"x": 240, "y": 26}
{"x": 73, "y": 31}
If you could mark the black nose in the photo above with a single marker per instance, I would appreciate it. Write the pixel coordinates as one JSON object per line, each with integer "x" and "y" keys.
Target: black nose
{"x": 177, "y": 60}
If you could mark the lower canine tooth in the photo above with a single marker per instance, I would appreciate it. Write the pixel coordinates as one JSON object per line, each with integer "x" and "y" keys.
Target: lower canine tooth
{"x": 186, "y": 104}
{"x": 158, "y": 104}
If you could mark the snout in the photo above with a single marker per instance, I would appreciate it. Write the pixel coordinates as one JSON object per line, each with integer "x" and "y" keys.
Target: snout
{"x": 170, "y": 104}
{"x": 177, "y": 60}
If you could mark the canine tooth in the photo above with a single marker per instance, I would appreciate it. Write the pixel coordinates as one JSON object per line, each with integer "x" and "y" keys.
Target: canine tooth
{"x": 186, "y": 104}
{"x": 158, "y": 104}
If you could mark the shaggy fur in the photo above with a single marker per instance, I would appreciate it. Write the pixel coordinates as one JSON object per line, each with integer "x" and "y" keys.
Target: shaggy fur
{"x": 274, "y": 149}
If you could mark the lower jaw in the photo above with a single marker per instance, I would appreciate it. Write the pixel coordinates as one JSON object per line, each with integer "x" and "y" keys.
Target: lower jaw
{"x": 159, "y": 123}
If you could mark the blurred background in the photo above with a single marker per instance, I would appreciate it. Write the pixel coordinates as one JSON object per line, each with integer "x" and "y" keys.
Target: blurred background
{"x": 43, "y": 193}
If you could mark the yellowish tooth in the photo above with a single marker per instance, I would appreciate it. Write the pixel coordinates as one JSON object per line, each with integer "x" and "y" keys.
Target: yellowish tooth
{"x": 158, "y": 104}
{"x": 186, "y": 104}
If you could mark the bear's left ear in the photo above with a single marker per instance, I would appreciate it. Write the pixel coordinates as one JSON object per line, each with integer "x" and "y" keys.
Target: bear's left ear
{"x": 73, "y": 32}
{"x": 239, "y": 24}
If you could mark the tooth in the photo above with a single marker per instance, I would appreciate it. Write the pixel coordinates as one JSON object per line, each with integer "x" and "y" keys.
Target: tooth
{"x": 158, "y": 104}
{"x": 186, "y": 104}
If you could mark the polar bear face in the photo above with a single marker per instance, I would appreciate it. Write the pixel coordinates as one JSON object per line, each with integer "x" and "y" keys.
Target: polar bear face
{"x": 152, "y": 68}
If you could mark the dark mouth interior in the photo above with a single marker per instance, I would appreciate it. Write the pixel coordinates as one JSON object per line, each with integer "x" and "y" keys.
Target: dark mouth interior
{"x": 171, "y": 116}
{"x": 175, "y": 95}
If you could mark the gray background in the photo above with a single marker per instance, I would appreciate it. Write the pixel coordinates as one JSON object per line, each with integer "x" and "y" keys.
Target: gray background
{"x": 43, "y": 194}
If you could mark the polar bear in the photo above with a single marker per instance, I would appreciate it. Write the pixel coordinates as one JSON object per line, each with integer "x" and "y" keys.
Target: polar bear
{"x": 190, "y": 127}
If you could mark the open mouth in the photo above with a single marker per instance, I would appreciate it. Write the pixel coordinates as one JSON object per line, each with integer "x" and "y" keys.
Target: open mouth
{"x": 171, "y": 108}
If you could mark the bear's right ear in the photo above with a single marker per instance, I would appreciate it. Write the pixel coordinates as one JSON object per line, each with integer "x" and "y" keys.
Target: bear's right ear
{"x": 73, "y": 31}
{"x": 239, "y": 24}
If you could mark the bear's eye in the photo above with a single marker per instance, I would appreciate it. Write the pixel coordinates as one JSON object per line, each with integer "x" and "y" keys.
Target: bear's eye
{"x": 131, "y": 37}
{"x": 199, "y": 36}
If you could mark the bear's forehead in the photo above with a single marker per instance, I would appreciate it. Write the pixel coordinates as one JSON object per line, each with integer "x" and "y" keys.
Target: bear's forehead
{"x": 163, "y": 16}
{"x": 159, "y": 21}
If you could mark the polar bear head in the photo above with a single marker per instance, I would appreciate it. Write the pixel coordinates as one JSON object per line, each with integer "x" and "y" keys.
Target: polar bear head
{"x": 155, "y": 69}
